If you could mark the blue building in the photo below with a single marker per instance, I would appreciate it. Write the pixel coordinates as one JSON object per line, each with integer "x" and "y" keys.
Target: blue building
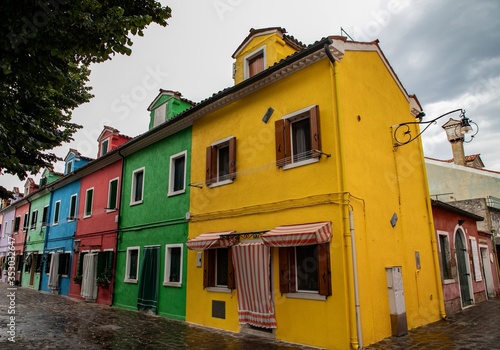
{"x": 61, "y": 227}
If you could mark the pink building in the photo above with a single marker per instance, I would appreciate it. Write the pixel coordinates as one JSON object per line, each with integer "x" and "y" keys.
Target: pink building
{"x": 466, "y": 257}
{"x": 97, "y": 215}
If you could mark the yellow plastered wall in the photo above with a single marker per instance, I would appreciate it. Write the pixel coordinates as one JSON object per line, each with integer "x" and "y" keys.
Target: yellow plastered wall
{"x": 263, "y": 196}
{"x": 370, "y": 103}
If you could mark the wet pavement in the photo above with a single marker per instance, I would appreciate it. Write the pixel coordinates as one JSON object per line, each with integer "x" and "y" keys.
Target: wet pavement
{"x": 474, "y": 328}
{"x": 47, "y": 321}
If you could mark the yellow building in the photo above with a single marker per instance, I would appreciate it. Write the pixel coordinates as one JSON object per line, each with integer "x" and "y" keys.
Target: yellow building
{"x": 306, "y": 223}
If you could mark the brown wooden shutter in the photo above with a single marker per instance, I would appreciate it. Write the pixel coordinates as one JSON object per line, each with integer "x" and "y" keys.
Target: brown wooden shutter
{"x": 279, "y": 130}
{"x": 208, "y": 172}
{"x": 315, "y": 131}
{"x": 284, "y": 270}
{"x": 232, "y": 158}
{"x": 324, "y": 272}
{"x": 208, "y": 268}
{"x": 231, "y": 281}
{"x": 255, "y": 65}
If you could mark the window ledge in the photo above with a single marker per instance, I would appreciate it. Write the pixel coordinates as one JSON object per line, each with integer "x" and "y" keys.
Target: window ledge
{"x": 449, "y": 281}
{"x": 111, "y": 210}
{"x": 172, "y": 284}
{"x": 219, "y": 289}
{"x": 220, "y": 183}
{"x": 308, "y": 296}
{"x": 301, "y": 163}
{"x": 135, "y": 203}
{"x": 126, "y": 280}
{"x": 170, "y": 194}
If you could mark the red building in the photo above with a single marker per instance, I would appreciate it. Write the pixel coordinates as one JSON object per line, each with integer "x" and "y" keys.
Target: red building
{"x": 97, "y": 213}
{"x": 466, "y": 257}
{"x": 19, "y": 233}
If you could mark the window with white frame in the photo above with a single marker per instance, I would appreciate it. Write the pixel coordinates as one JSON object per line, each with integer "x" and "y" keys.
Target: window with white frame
{"x": 173, "y": 265}
{"x": 104, "y": 146}
{"x": 26, "y": 222}
{"x": 305, "y": 269}
{"x": 34, "y": 218}
{"x": 17, "y": 223}
{"x": 137, "y": 191}
{"x": 45, "y": 215}
{"x": 69, "y": 167}
{"x": 445, "y": 255}
{"x": 112, "y": 194}
{"x": 255, "y": 62}
{"x": 298, "y": 138}
{"x": 160, "y": 114}
{"x": 72, "y": 208}
{"x": 57, "y": 209}
{"x": 221, "y": 162}
{"x": 218, "y": 270}
{"x": 132, "y": 265}
{"x": 89, "y": 196}
{"x": 177, "y": 180}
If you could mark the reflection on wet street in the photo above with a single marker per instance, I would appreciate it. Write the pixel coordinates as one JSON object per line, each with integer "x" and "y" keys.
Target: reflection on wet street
{"x": 47, "y": 321}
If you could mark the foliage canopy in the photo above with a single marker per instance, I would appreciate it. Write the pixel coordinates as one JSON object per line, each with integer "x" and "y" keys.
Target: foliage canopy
{"x": 45, "y": 52}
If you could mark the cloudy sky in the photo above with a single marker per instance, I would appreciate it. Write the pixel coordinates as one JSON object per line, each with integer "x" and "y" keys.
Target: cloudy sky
{"x": 447, "y": 52}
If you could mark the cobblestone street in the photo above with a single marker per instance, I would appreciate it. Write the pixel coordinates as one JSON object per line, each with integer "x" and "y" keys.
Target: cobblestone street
{"x": 46, "y": 321}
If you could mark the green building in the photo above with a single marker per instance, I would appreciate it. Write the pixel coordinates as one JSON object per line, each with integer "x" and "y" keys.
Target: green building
{"x": 151, "y": 255}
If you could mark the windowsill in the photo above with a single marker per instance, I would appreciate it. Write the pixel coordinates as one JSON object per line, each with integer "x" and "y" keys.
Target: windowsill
{"x": 54, "y": 224}
{"x": 87, "y": 216}
{"x": 301, "y": 163}
{"x": 135, "y": 203}
{"x": 172, "y": 284}
{"x": 449, "y": 281}
{"x": 126, "y": 280}
{"x": 220, "y": 183}
{"x": 219, "y": 289}
{"x": 170, "y": 194}
{"x": 308, "y": 296}
{"x": 111, "y": 210}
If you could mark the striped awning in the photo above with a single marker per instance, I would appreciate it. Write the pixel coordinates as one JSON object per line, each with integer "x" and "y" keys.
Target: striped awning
{"x": 212, "y": 240}
{"x": 297, "y": 235}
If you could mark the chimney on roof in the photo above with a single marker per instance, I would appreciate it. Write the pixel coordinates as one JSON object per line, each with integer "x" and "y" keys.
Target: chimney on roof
{"x": 456, "y": 138}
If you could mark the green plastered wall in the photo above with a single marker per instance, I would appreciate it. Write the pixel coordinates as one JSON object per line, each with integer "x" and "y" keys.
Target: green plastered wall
{"x": 35, "y": 239}
{"x": 158, "y": 220}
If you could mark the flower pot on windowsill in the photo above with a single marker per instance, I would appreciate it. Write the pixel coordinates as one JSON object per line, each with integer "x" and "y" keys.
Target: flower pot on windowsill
{"x": 77, "y": 279}
{"x": 102, "y": 282}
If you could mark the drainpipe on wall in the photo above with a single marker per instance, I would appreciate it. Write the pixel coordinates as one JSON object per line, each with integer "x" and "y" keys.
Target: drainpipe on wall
{"x": 348, "y": 222}
{"x": 118, "y": 226}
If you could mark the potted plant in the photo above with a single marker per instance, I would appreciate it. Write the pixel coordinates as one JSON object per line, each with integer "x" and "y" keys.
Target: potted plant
{"x": 77, "y": 279}
{"x": 103, "y": 279}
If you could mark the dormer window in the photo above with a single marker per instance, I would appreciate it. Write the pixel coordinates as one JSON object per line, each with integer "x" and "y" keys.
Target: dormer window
{"x": 159, "y": 115}
{"x": 255, "y": 62}
{"x": 69, "y": 167}
{"x": 104, "y": 147}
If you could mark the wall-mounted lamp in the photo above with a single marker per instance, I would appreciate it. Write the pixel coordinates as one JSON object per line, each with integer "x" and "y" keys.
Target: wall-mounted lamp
{"x": 268, "y": 114}
{"x": 76, "y": 246}
{"x": 402, "y": 132}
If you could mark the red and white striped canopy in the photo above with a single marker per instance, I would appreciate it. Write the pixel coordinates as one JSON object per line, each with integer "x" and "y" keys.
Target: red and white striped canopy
{"x": 211, "y": 241}
{"x": 297, "y": 235}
